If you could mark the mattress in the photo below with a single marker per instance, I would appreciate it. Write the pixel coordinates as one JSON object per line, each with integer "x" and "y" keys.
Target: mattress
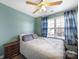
{"x": 43, "y": 48}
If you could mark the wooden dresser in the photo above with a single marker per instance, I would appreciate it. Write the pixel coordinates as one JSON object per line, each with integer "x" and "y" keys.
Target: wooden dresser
{"x": 11, "y": 50}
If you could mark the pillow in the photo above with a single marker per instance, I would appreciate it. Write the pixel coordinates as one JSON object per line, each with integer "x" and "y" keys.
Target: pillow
{"x": 35, "y": 36}
{"x": 27, "y": 37}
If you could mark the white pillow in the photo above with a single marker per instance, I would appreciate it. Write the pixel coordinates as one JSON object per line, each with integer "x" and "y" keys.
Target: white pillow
{"x": 27, "y": 37}
{"x": 35, "y": 36}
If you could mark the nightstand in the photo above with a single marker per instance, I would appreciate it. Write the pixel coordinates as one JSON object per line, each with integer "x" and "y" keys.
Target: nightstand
{"x": 71, "y": 47}
{"x": 11, "y": 50}
{"x": 71, "y": 52}
{"x": 71, "y": 55}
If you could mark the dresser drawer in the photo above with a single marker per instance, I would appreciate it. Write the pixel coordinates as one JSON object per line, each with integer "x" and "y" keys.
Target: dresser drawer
{"x": 11, "y": 50}
{"x": 12, "y": 46}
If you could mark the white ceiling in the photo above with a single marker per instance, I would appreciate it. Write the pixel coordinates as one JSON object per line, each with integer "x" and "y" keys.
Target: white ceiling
{"x": 28, "y": 9}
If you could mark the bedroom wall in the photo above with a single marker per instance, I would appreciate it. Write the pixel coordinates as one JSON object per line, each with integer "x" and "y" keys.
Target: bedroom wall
{"x": 38, "y": 26}
{"x": 13, "y": 23}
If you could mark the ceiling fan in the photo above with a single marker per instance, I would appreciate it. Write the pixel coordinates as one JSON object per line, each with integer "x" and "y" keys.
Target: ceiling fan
{"x": 43, "y": 4}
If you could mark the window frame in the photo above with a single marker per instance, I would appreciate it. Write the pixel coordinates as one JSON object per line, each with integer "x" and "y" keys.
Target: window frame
{"x": 55, "y": 27}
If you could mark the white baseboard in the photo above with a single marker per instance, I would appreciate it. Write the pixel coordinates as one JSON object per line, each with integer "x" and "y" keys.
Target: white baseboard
{"x": 1, "y": 57}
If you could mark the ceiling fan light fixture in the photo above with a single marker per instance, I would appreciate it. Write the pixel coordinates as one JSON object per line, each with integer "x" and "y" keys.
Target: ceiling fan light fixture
{"x": 43, "y": 8}
{"x": 43, "y": 4}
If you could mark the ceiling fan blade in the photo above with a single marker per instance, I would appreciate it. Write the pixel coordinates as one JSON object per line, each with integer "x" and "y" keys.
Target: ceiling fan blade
{"x": 36, "y": 10}
{"x": 54, "y": 3}
{"x": 32, "y": 3}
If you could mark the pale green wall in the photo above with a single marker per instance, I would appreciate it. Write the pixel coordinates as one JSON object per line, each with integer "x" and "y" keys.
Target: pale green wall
{"x": 12, "y": 23}
{"x": 38, "y": 26}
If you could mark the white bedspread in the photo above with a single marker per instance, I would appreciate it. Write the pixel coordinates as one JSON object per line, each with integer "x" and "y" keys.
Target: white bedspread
{"x": 43, "y": 48}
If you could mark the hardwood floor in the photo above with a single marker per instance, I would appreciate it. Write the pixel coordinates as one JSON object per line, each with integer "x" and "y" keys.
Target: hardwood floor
{"x": 22, "y": 57}
{"x": 19, "y": 57}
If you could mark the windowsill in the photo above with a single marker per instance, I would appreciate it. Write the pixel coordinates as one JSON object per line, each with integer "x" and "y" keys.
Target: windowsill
{"x": 58, "y": 37}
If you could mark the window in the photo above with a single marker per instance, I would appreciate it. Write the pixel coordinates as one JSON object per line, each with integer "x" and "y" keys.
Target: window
{"x": 56, "y": 27}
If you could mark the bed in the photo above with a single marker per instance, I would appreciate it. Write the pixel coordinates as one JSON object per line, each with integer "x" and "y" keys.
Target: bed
{"x": 42, "y": 48}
